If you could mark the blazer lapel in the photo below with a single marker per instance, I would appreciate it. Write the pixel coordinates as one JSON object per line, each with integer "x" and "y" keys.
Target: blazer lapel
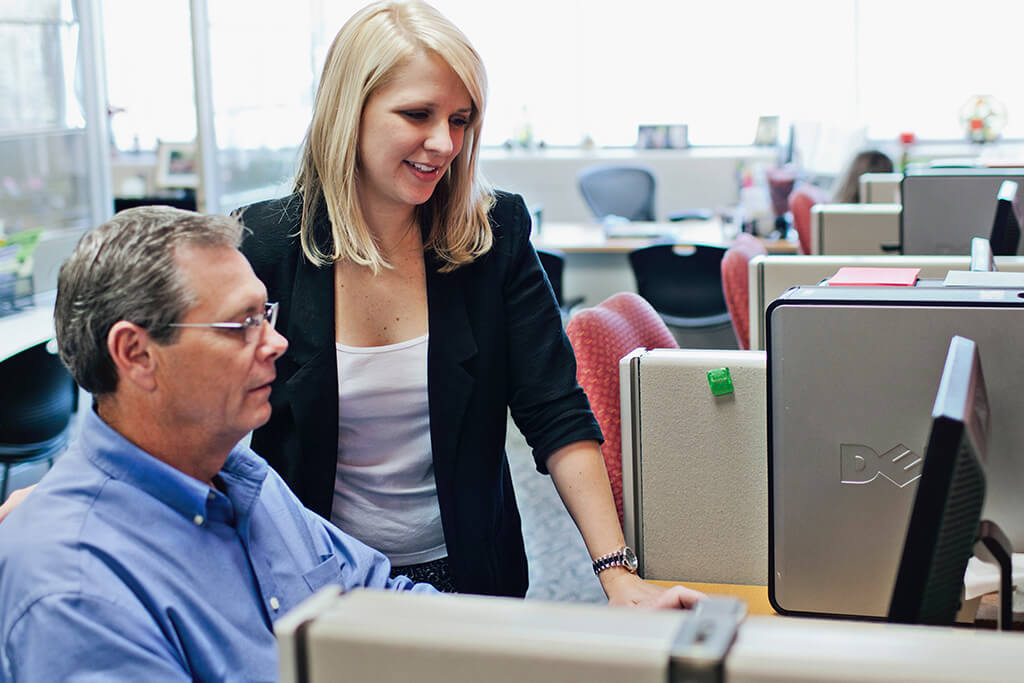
{"x": 449, "y": 377}
{"x": 313, "y": 388}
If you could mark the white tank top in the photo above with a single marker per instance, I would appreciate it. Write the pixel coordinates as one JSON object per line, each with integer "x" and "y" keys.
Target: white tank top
{"x": 384, "y": 491}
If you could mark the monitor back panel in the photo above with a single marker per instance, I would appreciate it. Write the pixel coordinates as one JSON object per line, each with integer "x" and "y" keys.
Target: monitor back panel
{"x": 696, "y": 465}
{"x": 880, "y": 188}
{"x": 772, "y": 274}
{"x": 852, "y": 377}
{"x": 943, "y": 208}
{"x": 850, "y": 229}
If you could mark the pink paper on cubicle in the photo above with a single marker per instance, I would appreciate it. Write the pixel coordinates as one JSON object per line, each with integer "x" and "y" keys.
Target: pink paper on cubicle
{"x": 904, "y": 277}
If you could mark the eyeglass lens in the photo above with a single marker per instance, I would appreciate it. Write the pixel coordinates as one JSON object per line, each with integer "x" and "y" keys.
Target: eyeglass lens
{"x": 254, "y": 326}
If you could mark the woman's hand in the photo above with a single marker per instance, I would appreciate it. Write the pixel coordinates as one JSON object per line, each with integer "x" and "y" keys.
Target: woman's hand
{"x": 14, "y": 500}
{"x": 629, "y": 590}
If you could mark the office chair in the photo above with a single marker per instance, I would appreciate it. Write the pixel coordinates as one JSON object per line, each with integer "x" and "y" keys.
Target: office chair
{"x": 36, "y": 404}
{"x": 801, "y": 200}
{"x": 686, "y": 291}
{"x": 600, "y": 337}
{"x": 553, "y": 263}
{"x": 736, "y": 283}
{"x": 626, "y": 191}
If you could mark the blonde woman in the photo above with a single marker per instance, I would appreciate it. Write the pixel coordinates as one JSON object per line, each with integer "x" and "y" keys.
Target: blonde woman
{"x": 418, "y": 314}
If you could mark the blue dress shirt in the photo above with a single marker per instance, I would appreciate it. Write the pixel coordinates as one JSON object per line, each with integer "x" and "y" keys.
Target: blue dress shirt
{"x": 119, "y": 567}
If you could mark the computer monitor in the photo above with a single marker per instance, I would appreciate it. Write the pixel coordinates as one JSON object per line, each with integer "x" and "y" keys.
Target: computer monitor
{"x": 1005, "y": 235}
{"x": 943, "y": 208}
{"x": 950, "y": 496}
{"x": 185, "y": 201}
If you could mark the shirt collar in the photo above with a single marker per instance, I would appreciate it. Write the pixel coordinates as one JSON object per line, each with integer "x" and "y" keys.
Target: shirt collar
{"x": 243, "y": 472}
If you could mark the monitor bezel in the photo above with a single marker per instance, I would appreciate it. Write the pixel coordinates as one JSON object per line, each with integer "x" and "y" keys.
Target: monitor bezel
{"x": 956, "y": 446}
{"x": 1006, "y": 226}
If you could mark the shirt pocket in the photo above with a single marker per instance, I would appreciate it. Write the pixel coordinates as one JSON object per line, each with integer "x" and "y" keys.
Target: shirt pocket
{"x": 325, "y": 573}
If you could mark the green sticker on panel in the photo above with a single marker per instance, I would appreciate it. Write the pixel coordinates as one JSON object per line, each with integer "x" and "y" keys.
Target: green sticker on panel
{"x": 720, "y": 381}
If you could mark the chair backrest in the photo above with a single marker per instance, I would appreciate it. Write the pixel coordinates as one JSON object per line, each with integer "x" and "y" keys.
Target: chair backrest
{"x": 736, "y": 283}
{"x": 553, "y": 264}
{"x": 626, "y": 191}
{"x": 37, "y": 396}
{"x": 683, "y": 284}
{"x": 800, "y": 202}
{"x": 600, "y": 337}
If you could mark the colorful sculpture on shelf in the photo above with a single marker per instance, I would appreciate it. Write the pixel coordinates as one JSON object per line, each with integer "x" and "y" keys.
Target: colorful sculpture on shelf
{"x": 983, "y": 118}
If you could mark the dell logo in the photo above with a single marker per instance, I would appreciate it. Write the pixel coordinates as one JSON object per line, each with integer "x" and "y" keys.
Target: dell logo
{"x": 861, "y": 465}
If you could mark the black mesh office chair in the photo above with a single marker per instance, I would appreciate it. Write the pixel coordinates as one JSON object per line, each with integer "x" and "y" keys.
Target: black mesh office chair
{"x": 684, "y": 285}
{"x": 626, "y": 191}
{"x": 37, "y": 398}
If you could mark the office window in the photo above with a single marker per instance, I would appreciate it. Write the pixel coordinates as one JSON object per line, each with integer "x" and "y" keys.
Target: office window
{"x": 44, "y": 162}
{"x": 572, "y": 68}
{"x": 599, "y": 67}
{"x": 38, "y": 67}
{"x": 148, "y": 50}
{"x": 920, "y": 62}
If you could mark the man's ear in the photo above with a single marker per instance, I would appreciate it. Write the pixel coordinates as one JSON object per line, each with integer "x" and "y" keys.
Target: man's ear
{"x": 132, "y": 350}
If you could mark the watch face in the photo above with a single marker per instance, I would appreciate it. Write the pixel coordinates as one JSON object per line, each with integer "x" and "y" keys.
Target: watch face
{"x": 629, "y": 559}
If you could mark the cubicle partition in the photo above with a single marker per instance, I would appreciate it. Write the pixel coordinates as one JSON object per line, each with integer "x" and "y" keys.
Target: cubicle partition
{"x": 369, "y": 635}
{"x": 694, "y": 464}
{"x": 771, "y": 275}
{"x": 880, "y": 188}
{"x": 855, "y": 229}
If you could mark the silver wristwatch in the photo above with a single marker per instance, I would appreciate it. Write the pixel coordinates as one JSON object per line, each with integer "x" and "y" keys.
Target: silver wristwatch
{"x": 623, "y": 557}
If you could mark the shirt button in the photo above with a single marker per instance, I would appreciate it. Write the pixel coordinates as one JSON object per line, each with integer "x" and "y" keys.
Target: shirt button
{"x": 209, "y": 496}
{"x": 198, "y": 519}
{"x": 274, "y": 604}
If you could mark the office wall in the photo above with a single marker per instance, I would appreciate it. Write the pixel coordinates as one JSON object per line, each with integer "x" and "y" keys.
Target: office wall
{"x": 687, "y": 179}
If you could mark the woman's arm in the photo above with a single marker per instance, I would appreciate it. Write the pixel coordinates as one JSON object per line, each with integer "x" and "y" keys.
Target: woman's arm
{"x": 578, "y": 472}
{"x": 552, "y": 412}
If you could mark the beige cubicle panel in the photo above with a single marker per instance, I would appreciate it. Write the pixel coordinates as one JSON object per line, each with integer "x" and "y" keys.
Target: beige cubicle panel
{"x": 855, "y": 229}
{"x": 880, "y": 188}
{"x": 694, "y": 472}
{"x": 376, "y": 635}
{"x": 380, "y": 635}
{"x": 771, "y": 275}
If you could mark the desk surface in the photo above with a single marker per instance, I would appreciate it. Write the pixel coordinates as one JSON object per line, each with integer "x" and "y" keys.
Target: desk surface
{"x": 756, "y": 597}
{"x": 25, "y": 329}
{"x": 591, "y": 237}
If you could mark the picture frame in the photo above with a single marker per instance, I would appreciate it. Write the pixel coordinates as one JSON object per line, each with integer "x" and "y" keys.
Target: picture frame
{"x": 662, "y": 136}
{"x": 679, "y": 136}
{"x": 652, "y": 137}
{"x": 177, "y": 165}
{"x": 767, "y": 134}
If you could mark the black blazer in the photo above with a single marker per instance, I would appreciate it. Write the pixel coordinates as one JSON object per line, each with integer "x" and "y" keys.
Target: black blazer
{"x": 496, "y": 343}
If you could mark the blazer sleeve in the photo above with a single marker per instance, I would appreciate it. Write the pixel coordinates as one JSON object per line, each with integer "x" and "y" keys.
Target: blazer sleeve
{"x": 546, "y": 402}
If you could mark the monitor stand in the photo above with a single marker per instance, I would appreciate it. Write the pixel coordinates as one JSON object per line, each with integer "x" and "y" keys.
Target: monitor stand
{"x": 993, "y": 546}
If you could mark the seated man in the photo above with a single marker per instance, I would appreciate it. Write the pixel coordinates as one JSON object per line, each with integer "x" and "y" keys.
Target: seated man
{"x": 158, "y": 548}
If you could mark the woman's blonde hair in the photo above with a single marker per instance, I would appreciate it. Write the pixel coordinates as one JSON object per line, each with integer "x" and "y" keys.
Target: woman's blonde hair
{"x": 364, "y": 57}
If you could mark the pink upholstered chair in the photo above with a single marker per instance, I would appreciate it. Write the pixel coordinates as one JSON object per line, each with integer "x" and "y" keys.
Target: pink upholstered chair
{"x": 736, "y": 285}
{"x": 600, "y": 337}
{"x": 800, "y": 202}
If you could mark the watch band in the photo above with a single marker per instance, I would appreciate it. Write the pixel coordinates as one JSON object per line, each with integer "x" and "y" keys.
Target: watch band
{"x": 623, "y": 557}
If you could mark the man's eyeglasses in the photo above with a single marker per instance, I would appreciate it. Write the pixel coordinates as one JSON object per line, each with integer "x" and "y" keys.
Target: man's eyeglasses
{"x": 252, "y": 327}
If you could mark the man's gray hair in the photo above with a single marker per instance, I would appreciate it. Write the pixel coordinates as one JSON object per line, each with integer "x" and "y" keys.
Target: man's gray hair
{"x": 125, "y": 269}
